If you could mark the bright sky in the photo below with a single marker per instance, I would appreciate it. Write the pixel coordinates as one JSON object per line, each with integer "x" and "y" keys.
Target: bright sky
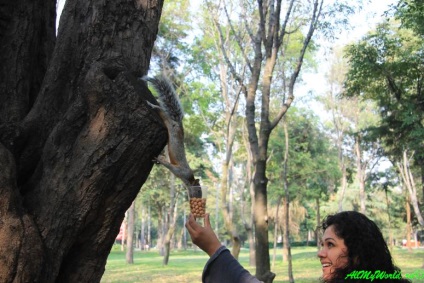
{"x": 369, "y": 17}
{"x": 362, "y": 22}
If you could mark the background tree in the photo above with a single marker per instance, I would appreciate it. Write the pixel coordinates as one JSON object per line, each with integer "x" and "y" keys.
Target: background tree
{"x": 267, "y": 33}
{"x": 224, "y": 127}
{"x": 411, "y": 15}
{"x": 310, "y": 172}
{"x": 340, "y": 110}
{"x": 130, "y": 234}
{"x": 367, "y": 150}
{"x": 286, "y": 204}
{"x": 392, "y": 57}
{"x": 76, "y": 136}
{"x": 269, "y": 29}
{"x": 170, "y": 220}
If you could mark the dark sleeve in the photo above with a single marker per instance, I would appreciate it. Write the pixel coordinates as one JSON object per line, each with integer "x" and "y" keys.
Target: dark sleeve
{"x": 222, "y": 267}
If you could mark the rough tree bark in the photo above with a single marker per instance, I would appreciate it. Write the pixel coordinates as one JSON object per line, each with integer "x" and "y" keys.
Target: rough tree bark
{"x": 76, "y": 135}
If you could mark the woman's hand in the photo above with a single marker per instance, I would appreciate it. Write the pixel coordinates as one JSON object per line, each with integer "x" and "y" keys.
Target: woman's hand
{"x": 203, "y": 237}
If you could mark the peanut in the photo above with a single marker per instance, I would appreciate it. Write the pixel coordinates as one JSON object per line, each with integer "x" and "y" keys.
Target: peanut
{"x": 198, "y": 207}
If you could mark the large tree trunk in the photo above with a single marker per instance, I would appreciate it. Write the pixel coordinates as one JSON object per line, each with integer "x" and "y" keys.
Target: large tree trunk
{"x": 76, "y": 135}
{"x": 261, "y": 225}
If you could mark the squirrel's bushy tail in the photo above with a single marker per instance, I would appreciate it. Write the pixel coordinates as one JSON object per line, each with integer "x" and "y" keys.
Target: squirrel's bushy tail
{"x": 168, "y": 98}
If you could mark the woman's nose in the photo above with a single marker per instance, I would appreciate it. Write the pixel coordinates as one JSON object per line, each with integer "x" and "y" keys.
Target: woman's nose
{"x": 321, "y": 253}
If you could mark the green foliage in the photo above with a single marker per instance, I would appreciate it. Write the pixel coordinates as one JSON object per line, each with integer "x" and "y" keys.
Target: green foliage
{"x": 170, "y": 45}
{"x": 387, "y": 67}
{"x": 411, "y": 14}
{"x": 312, "y": 164}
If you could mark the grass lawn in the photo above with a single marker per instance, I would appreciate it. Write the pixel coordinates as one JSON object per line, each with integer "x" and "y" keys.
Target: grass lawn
{"x": 186, "y": 266}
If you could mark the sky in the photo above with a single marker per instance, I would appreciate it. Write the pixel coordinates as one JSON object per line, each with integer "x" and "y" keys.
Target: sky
{"x": 367, "y": 18}
{"x": 362, "y": 22}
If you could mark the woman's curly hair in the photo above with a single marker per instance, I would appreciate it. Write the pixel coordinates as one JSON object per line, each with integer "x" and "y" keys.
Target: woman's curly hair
{"x": 367, "y": 249}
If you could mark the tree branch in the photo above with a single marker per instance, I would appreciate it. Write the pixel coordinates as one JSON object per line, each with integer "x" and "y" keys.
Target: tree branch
{"x": 314, "y": 20}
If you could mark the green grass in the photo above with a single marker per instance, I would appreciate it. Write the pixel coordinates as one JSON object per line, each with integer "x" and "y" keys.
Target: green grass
{"x": 187, "y": 266}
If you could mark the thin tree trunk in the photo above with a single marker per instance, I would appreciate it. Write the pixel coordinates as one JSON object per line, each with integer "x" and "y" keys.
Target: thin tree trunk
{"x": 309, "y": 237}
{"x": 422, "y": 179}
{"x": 286, "y": 202}
{"x": 251, "y": 239}
{"x": 229, "y": 137}
{"x": 182, "y": 243}
{"x": 235, "y": 239}
{"x": 343, "y": 186}
{"x": 317, "y": 229}
{"x": 185, "y": 232}
{"x": 276, "y": 221}
{"x": 130, "y": 234}
{"x": 408, "y": 181}
{"x": 170, "y": 221}
{"x": 408, "y": 224}
{"x": 143, "y": 229}
{"x": 360, "y": 175}
{"x": 124, "y": 233}
{"x": 161, "y": 231}
{"x": 389, "y": 218}
{"x": 149, "y": 228}
{"x": 286, "y": 239}
{"x": 249, "y": 223}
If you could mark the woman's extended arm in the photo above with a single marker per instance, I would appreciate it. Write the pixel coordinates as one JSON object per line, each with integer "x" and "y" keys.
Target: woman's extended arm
{"x": 222, "y": 267}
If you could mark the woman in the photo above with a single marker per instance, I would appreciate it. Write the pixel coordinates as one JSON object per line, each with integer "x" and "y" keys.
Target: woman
{"x": 353, "y": 250}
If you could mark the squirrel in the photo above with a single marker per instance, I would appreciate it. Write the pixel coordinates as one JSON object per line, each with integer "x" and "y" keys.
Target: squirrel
{"x": 171, "y": 113}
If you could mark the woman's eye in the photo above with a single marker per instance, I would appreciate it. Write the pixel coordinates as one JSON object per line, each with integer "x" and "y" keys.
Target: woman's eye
{"x": 330, "y": 245}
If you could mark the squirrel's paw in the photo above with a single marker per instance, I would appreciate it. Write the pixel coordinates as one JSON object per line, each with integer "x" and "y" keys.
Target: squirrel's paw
{"x": 153, "y": 105}
{"x": 160, "y": 160}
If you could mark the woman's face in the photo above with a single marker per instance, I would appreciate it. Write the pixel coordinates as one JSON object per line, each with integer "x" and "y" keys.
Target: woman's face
{"x": 333, "y": 253}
